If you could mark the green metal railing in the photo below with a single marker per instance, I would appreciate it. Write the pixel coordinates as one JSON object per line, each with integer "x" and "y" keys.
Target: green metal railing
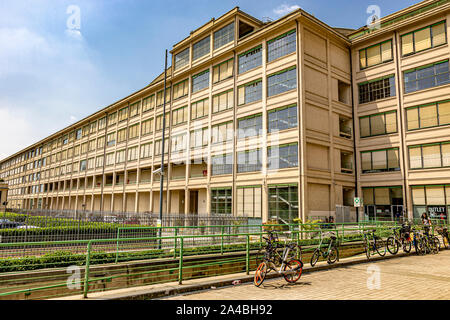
{"x": 131, "y": 261}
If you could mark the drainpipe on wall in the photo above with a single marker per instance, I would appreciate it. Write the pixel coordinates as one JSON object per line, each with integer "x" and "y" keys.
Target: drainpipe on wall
{"x": 353, "y": 131}
{"x": 400, "y": 109}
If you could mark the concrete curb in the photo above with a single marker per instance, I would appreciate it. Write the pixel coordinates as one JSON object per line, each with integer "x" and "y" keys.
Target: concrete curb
{"x": 146, "y": 294}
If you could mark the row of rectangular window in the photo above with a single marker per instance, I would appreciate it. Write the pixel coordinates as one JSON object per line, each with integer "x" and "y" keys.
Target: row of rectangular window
{"x": 276, "y": 48}
{"x": 279, "y": 119}
{"x": 425, "y": 38}
{"x": 426, "y": 116}
{"x": 277, "y": 83}
{"x": 278, "y": 157}
{"x": 416, "y": 79}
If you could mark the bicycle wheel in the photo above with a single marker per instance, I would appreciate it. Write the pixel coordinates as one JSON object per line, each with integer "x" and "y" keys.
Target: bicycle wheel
{"x": 392, "y": 245}
{"x": 436, "y": 244}
{"x": 406, "y": 245}
{"x": 260, "y": 274}
{"x": 380, "y": 247}
{"x": 333, "y": 255}
{"x": 367, "y": 249}
{"x": 315, "y": 257}
{"x": 419, "y": 246}
{"x": 296, "y": 267}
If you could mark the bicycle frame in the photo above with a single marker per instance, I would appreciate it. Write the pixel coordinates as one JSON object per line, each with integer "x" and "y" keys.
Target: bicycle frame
{"x": 326, "y": 252}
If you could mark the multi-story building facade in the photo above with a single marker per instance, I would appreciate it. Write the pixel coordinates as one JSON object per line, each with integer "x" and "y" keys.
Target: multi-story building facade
{"x": 259, "y": 123}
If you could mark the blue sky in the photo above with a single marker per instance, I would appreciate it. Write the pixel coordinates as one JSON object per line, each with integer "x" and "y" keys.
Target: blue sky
{"x": 51, "y": 76}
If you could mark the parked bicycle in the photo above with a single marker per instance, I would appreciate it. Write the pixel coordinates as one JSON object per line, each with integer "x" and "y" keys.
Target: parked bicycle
{"x": 330, "y": 252}
{"x": 418, "y": 242}
{"x": 373, "y": 243}
{"x": 283, "y": 263}
{"x": 443, "y": 232}
{"x": 401, "y": 237}
{"x": 273, "y": 242}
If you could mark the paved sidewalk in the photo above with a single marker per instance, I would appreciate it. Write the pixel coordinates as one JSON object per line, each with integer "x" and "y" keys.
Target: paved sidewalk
{"x": 408, "y": 277}
{"x": 194, "y": 285}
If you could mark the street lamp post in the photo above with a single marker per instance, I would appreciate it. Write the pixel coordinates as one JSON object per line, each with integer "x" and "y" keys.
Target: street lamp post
{"x": 159, "y": 224}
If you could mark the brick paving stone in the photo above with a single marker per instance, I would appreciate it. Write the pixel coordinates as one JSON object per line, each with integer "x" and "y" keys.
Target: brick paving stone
{"x": 410, "y": 277}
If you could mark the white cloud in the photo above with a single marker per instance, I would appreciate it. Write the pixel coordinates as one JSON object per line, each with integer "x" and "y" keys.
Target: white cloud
{"x": 285, "y": 9}
{"x": 46, "y": 83}
{"x": 17, "y": 128}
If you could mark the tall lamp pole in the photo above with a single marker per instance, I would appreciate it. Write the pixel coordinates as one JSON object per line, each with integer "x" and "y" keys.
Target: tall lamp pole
{"x": 162, "y": 154}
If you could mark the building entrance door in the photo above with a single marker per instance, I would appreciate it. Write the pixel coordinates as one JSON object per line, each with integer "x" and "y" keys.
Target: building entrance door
{"x": 193, "y": 202}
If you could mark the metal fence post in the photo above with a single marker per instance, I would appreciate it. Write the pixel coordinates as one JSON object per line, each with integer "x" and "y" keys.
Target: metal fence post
{"x": 180, "y": 266}
{"x": 86, "y": 270}
{"x": 260, "y": 235}
{"x": 117, "y": 245}
{"x": 175, "y": 243}
{"x": 221, "y": 242}
{"x": 247, "y": 255}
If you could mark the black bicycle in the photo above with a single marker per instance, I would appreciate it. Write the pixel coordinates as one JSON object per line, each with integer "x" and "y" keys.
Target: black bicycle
{"x": 329, "y": 252}
{"x": 373, "y": 243}
{"x": 400, "y": 238}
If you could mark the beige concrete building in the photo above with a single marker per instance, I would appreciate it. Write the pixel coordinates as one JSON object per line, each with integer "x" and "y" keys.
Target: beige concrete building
{"x": 3, "y": 194}
{"x": 259, "y": 123}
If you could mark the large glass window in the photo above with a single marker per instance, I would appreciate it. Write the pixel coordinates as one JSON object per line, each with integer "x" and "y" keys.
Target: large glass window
{"x": 223, "y": 101}
{"x": 250, "y": 92}
{"x": 428, "y": 76}
{"x": 281, "y": 45}
{"x": 433, "y": 199}
{"x": 200, "y": 81}
{"x": 378, "y": 124}
{"x": 222, "y": 164}
{"x": 249, "y": 201}
{"x": 433, "y": 155}
{"x": 147, "y": 126}
{"x": 221, "y": 201}
{"x": 179, "y": 116}
{"x": 160, "y": 97}
{"x": 282, "y": 118}
{"x": 123, "y": 114}
{"x": 425, "y": 38}
{"x": 159, "y": 122}
{"x": 199, "y": 138}
{"x": 380, "y": 160}
{"x": 223, "y": 70}
{"x": 283, "y": 156}
{"x": 282, "y": 81}
{"x": 222, "y": 132}
{"x": 148, "y": 103}
{"x": 199, "y": 109}
{"x": 134, "y": 109}
{"x": 250, "y": 59}
{"x": 182, "y": 59}
{"x": 201, "y": 48}
{"x": 179, "y": 143}
{"x": 283, "y": 202}
{"x": 146, "y": 150}
{"x": 248, "y": 161}
{"x": 181, "y": 89}
{"x": 224, "y": 36}
{"x": 376, "y": 54}
{"x": 250, "y": 126}
{"x": 377, "y": 89}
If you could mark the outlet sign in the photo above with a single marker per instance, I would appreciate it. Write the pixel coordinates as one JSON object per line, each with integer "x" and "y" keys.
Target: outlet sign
{"x": 437, "y": 212}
